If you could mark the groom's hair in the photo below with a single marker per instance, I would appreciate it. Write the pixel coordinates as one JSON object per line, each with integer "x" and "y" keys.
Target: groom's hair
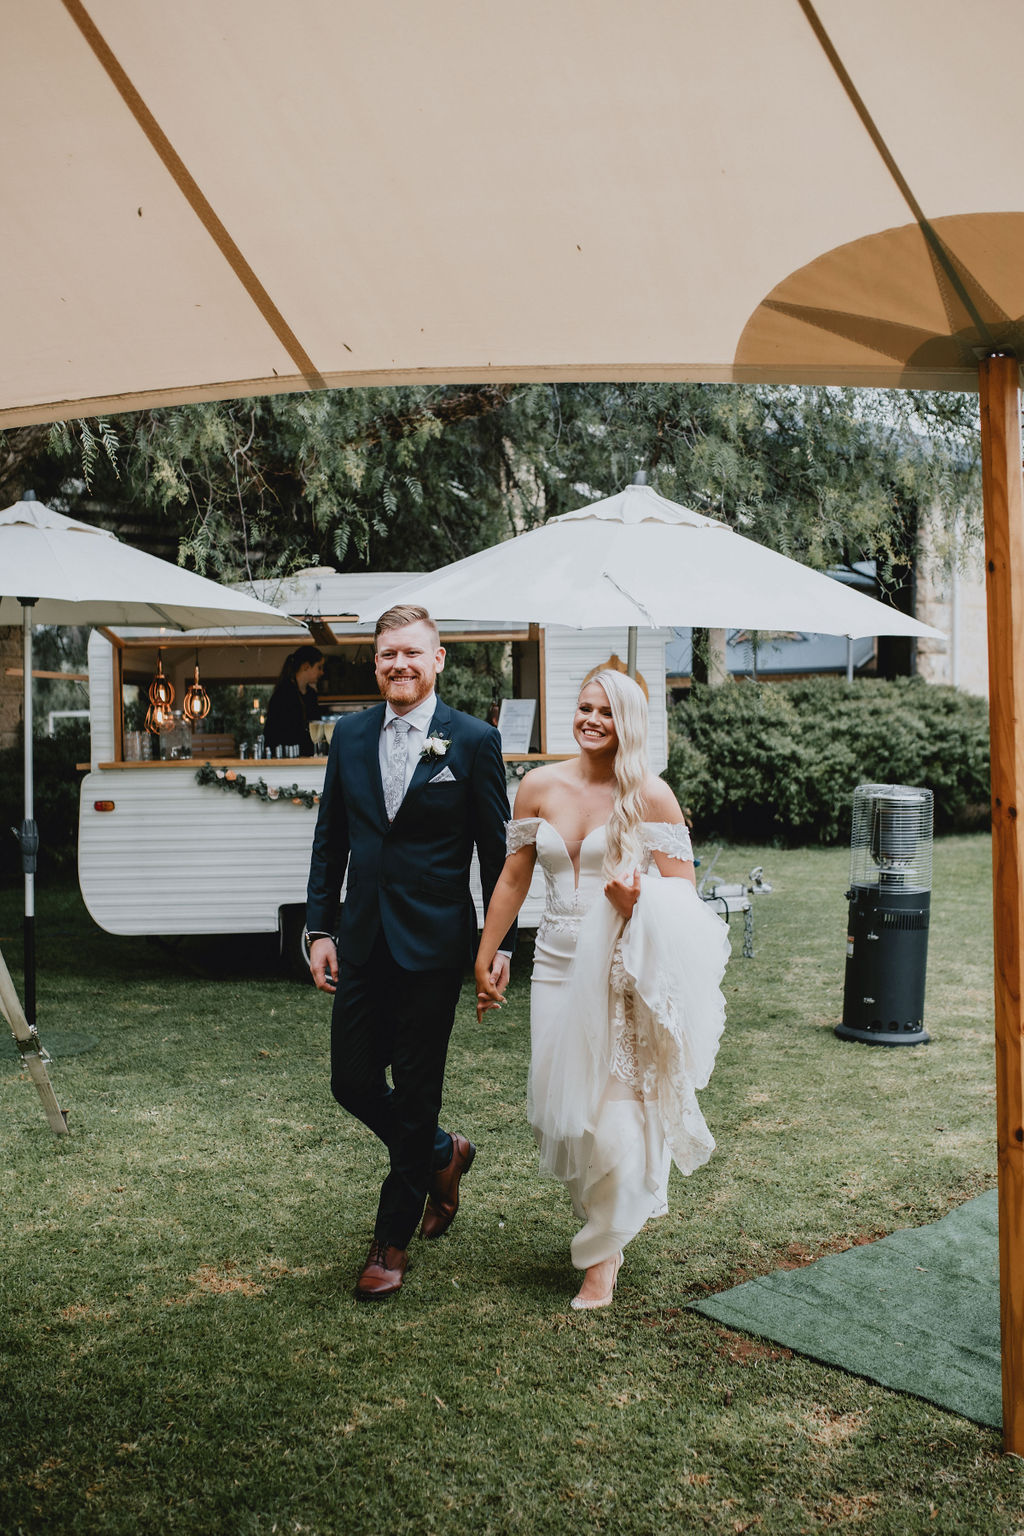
{"x": 405, "y": 613}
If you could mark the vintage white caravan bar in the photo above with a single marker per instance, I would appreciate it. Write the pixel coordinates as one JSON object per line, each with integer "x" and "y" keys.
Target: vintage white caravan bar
{"x": 160, "y": 853}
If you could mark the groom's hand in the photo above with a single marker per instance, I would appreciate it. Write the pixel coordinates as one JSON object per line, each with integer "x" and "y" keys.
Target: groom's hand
{"x": 500, "y": 969}
{"x": 323, "y": 962}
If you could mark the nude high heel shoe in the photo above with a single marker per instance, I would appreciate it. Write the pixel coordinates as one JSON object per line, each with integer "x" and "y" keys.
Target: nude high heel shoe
{"x": 578, "y": 1303}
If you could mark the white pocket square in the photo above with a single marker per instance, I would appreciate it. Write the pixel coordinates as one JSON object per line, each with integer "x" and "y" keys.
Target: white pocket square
{"x": 444, "y": 777}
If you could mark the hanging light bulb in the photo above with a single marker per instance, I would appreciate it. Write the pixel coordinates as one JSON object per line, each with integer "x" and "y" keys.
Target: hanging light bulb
{"x": 161, "y": 689}
{"x": 196, "y": 703}
{"x": 160, "y": 716}
{"x": 160, "y": 719}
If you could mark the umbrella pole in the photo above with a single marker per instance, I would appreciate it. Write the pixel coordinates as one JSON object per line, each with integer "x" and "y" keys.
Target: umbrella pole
{"x": 1004, "y": 559}
{"x": 28, "y": 836}
{"x": 631, "y": 651}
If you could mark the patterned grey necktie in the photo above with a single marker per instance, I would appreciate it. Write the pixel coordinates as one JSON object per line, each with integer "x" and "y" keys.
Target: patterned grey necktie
{"x": 398, "y": 758}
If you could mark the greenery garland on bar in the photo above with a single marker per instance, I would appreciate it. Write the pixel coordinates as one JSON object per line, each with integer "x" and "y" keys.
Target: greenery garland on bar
{"x": 230, "y": 778}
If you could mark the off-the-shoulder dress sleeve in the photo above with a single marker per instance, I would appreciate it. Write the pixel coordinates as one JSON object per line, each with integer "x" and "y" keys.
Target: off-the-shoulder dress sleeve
{"x": 671, "y": 837}
{"x": 519, "y": 834}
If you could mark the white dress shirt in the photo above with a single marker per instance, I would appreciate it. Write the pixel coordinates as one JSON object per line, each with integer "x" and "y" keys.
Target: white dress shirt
{"x": 418, "y": 720}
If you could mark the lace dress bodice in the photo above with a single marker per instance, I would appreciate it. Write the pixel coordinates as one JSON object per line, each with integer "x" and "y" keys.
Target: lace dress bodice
{"x": 567, "y": 900}
{"x": 565, "y": 897}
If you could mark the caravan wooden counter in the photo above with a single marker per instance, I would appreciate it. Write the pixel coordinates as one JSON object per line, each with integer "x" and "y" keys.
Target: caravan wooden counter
{"x": 262, "y": 763}
{"x": 282, "y": 764}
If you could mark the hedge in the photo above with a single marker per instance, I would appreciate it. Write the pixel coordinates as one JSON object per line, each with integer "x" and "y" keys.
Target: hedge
{"x": 778, "y": 762}
{"x": 56, "y": 787}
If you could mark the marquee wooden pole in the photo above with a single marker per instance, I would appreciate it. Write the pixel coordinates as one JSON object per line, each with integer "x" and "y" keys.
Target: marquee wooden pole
{"x": 1004, "y": 564}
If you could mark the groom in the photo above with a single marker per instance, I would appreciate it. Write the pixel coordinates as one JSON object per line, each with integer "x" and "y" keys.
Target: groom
{"x": 411, "y": 786}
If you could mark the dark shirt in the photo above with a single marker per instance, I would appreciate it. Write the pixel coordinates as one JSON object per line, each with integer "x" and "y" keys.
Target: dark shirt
{"x": 288, "y": 715}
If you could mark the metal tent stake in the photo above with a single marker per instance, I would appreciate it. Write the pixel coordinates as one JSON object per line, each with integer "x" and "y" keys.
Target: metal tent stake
{"x": 32, "y": 1053}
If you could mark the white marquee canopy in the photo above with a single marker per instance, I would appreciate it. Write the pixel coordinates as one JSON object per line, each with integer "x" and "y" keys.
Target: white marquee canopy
{"x": 228, "y": 197}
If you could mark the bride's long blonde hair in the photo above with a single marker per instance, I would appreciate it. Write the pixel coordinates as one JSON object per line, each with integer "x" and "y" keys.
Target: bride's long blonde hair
{"x": 623, "y": 845}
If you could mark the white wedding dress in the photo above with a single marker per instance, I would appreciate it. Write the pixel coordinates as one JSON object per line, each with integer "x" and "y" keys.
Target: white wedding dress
{"x": 625, "y": 1020}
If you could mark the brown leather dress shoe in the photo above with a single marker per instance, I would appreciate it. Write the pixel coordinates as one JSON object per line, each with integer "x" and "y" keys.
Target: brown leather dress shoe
{"x": 443, "y": 1196}
{"x": 382, "y": 1273}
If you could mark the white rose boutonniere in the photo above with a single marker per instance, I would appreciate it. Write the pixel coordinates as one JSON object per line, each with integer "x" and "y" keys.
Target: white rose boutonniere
{"x": 434, "y": 747}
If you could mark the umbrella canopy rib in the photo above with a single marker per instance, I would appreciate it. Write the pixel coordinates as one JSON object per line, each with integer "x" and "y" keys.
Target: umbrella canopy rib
{"x": 889, "y": 160}
{"x": 193, "y": 194}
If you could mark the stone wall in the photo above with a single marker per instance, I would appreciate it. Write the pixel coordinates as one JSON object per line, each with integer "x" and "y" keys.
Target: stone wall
{"x": 12, "y": 689}
{"x": 951, "y": 596}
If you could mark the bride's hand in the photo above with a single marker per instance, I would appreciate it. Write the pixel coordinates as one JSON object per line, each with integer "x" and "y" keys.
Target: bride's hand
{"x": 487, "y": 982}
{"x": 624, "y": 895}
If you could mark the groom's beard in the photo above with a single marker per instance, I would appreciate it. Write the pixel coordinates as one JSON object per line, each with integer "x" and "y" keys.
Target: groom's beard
{"x": 406, "y": 692}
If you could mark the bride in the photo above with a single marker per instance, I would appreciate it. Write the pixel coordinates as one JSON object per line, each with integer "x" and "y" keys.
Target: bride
{"x": 625, "y": 1007}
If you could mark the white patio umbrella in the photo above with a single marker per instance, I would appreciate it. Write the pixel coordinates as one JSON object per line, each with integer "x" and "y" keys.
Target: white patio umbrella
{"x": 638, "y": 559}
{"x": 54, "y": 570}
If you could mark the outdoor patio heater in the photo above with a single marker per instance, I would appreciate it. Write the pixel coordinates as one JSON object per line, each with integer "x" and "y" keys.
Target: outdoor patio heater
{"x": 890, "y": 906}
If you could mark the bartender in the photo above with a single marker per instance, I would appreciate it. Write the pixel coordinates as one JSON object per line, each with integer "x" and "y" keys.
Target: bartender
{"x": 293, "y": 703}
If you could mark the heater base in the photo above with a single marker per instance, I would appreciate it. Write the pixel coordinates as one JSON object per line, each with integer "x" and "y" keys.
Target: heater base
{"x": 882, "y": 1036}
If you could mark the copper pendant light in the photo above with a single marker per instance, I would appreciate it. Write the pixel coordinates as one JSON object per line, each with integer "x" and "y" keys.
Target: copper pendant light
{"x": 195, "y": 705}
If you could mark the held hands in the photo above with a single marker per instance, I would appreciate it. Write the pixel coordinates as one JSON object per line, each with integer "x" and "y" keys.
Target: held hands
{"x": 624, "y": 895}
{"x": 491, "y": 982}
{"x": 323, "y": 962}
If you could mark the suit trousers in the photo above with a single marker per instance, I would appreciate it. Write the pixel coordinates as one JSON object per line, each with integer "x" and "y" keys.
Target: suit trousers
{"x": 383, "y": 1017}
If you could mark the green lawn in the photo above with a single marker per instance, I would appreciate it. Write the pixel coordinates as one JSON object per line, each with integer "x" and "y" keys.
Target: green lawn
{"x": 182, "y": 1353}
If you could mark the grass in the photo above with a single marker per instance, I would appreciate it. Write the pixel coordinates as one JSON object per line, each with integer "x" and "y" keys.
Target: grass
{"x": 181, "y": 1351}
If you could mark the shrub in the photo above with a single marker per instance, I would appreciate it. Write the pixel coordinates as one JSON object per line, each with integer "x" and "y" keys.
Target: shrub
{"x": 780, "y": 761}
{"x": 56, "y": 787}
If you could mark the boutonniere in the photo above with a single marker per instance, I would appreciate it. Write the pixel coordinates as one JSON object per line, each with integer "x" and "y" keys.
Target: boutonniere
{"x": 434, "y": 747}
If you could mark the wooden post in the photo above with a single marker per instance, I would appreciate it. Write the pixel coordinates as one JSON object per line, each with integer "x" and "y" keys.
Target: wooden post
{"x": 1004, "y": 564}
{"x": 33, "y": 1057}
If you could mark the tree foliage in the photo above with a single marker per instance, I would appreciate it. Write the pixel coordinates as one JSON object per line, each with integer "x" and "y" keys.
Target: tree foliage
{"x": 822, "y": 475}
{"x": 413, "y": 477}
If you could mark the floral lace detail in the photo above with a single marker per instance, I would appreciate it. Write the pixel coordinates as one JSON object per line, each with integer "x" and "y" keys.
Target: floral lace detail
{"x": 669, "y": 837}
{"x": 625, "y": 1062}
{"x": 558, "y": 922}
{"x": 521, "y": 833}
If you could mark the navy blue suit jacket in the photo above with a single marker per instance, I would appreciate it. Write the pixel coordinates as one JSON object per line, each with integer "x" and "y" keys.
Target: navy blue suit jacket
{"x": 409, "y": 877}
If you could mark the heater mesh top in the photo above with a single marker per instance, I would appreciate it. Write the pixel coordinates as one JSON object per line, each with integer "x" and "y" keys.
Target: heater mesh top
{"x": 891, "y": 841}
